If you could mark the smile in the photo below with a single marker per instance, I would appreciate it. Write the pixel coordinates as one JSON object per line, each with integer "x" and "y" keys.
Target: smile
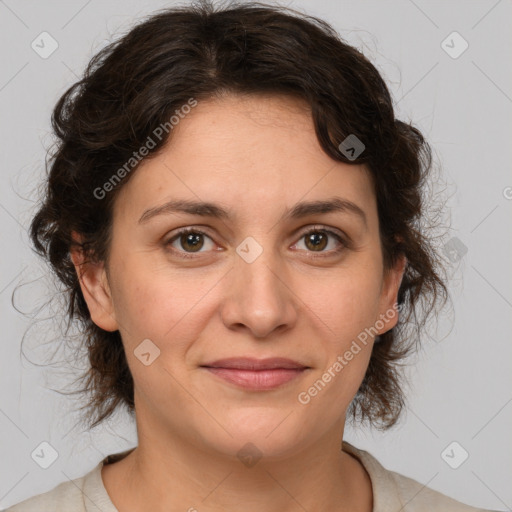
{"x": 254, "y": 374}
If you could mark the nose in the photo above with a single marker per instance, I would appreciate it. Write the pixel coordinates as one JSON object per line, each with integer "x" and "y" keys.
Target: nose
{"x": 260, "y": 297}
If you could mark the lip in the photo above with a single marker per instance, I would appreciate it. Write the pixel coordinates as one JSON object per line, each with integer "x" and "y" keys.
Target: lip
{"x": 252, "y": 363}
{"x": 256, "y": 374}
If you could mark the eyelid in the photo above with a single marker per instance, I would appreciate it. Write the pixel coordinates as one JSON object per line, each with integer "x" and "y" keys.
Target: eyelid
{"x": 320, "y": 227}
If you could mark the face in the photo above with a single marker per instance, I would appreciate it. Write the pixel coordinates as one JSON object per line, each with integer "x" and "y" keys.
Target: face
{"x": 264, "y": 279}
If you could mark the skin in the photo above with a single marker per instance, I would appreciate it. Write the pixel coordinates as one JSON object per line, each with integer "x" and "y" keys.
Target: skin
{"x": 257, "y": 156}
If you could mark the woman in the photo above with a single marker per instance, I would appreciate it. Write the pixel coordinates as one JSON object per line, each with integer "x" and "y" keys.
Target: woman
{"x": 236, "y": 211}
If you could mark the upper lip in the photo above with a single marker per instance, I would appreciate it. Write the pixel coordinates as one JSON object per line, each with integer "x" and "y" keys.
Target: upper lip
{"x": 249, "y": 363}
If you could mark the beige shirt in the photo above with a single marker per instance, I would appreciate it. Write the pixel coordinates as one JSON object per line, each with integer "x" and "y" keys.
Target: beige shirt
{"x": 392, "y": 492}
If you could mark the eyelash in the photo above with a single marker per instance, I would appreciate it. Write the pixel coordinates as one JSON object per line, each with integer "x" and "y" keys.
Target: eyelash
{"x": 344, "y": 243}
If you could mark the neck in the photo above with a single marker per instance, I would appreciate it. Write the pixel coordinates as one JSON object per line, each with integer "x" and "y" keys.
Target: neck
{"x": 170, "y": 473}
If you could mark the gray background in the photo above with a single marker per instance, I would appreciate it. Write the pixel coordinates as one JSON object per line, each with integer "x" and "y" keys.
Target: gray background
{"x": 460, "y": 383}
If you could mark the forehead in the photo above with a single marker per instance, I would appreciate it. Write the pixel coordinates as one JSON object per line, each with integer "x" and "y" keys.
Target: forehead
{"x": 253, "y": 154}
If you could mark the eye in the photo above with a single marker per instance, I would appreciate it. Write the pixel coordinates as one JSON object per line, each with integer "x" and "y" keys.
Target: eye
{"x": 191, "y": 241}
{"x": 188, "y": 241}
{"x": 317, "y": 239}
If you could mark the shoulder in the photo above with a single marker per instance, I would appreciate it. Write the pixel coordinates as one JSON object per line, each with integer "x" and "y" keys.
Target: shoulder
{"x": 421, "y": 498}
{"x": 393, "y": 491}
{"x": 83, "y": 494}
{"x": 67, "y": 496}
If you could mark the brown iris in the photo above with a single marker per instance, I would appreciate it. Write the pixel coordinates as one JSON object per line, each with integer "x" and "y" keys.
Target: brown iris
{"x": 193, "y": 241}
{"x": 317, "y": 239}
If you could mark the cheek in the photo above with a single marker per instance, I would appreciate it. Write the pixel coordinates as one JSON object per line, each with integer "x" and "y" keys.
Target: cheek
{"x": 347, "y": 303}
{"x": 151, "y": 303}
{"x": 348, "y": 309}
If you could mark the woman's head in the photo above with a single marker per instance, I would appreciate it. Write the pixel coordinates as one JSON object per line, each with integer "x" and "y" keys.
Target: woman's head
{"x": 248, "y": 109}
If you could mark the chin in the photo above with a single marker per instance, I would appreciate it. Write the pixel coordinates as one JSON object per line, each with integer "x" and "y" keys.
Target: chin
{"x": 270, "y": 433}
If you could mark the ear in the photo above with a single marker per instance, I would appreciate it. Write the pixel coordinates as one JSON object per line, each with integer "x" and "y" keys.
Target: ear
{"x": 389, "y": 294}
{"x": 95, "y": 288}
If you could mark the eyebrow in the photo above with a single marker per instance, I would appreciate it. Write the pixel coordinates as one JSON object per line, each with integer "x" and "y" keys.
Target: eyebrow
{"x": 300, "y": 210}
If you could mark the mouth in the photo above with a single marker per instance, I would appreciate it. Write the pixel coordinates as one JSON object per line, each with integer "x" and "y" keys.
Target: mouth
{"x": 256, "y": 374}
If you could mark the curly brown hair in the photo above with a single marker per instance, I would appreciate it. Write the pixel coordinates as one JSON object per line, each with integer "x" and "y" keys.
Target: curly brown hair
{"x": 136, "y": 83}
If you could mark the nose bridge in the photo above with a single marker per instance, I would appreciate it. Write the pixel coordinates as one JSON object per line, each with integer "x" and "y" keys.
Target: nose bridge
{"x": 258, "y": 296}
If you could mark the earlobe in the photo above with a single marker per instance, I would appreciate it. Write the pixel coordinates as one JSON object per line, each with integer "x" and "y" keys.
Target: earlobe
{"x": 95, "y": 288}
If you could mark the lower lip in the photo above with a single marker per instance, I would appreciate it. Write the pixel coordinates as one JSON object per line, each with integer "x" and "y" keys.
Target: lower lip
{"x": 258, "y": 380}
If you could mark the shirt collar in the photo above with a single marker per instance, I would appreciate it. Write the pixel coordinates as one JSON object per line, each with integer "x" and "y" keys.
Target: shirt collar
{"x": 385, "y": 491}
